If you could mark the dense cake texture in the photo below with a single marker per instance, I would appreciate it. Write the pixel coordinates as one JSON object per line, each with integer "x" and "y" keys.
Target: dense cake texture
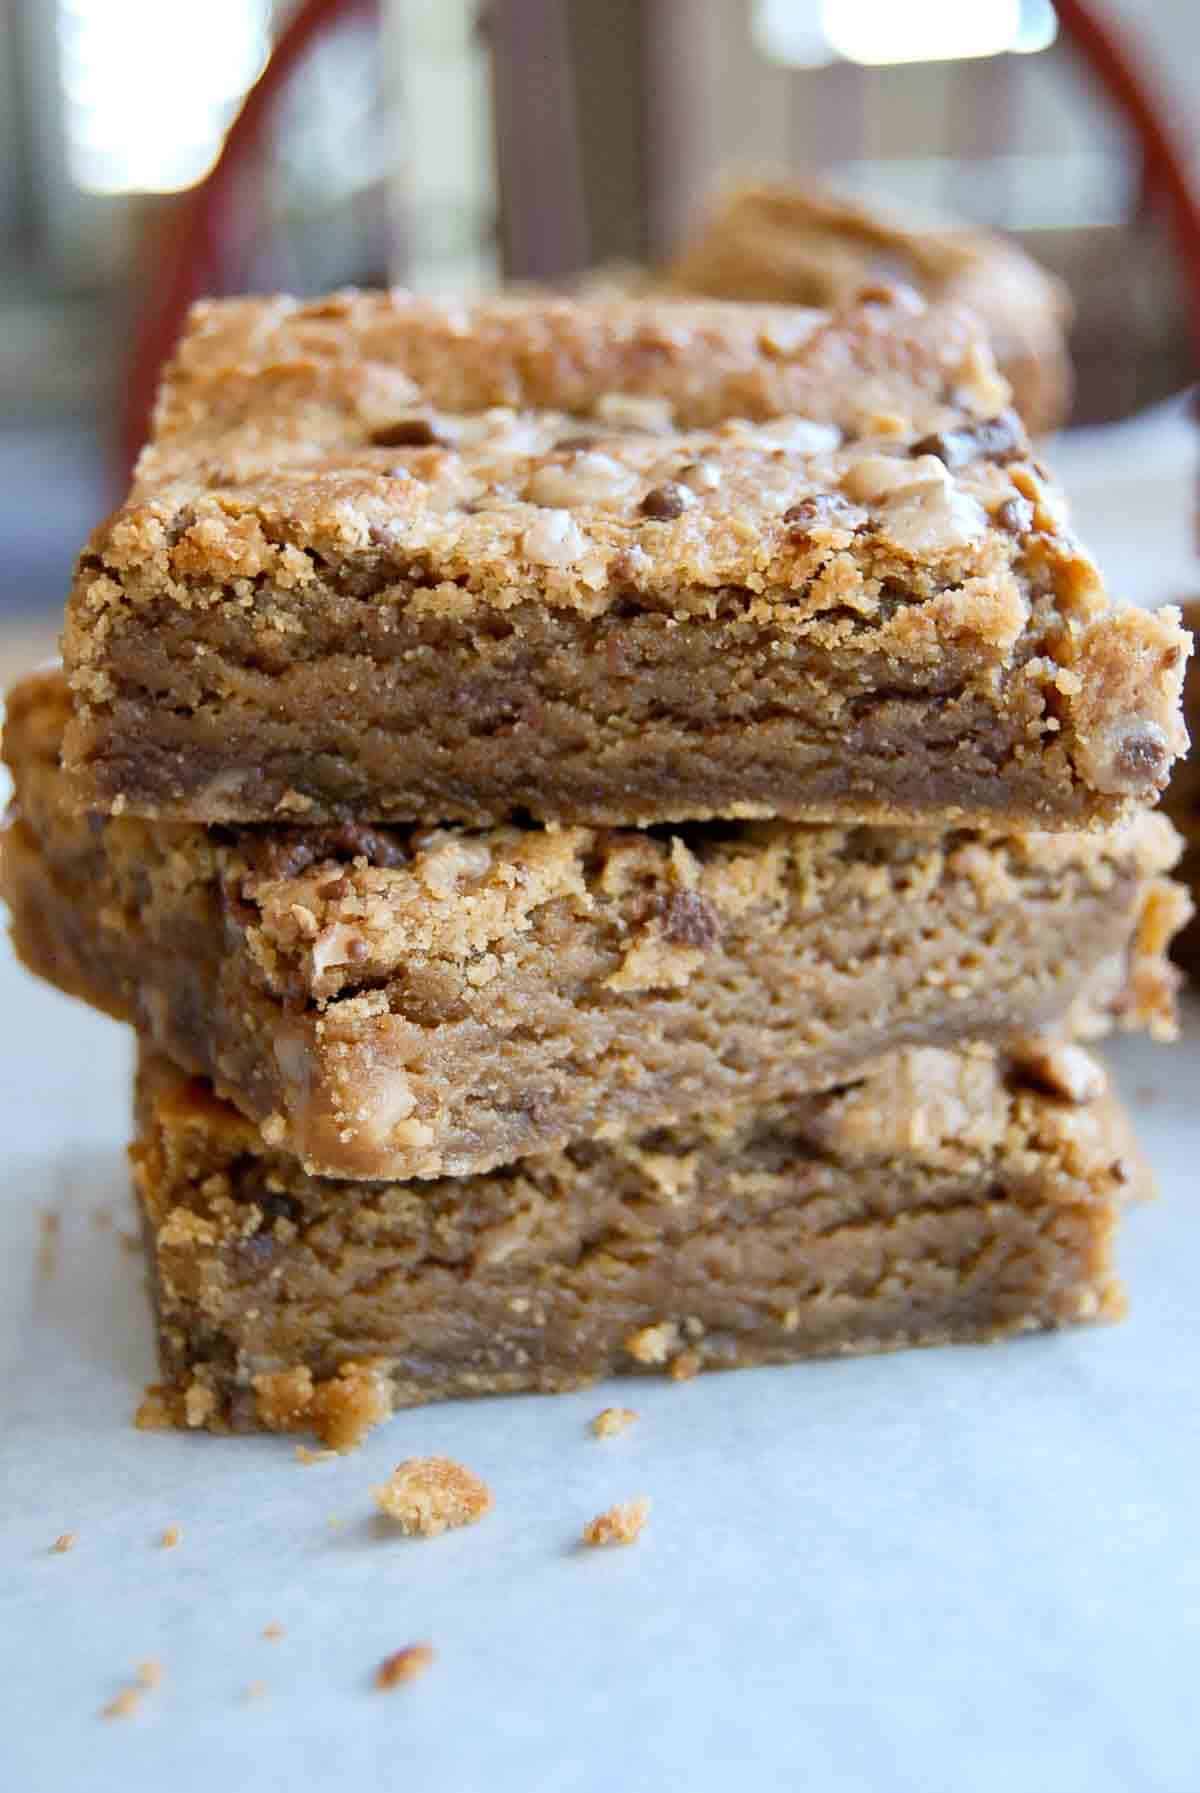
{"x": 802, "y": 244}
{"x": 1182, "y": 804}
{"x": 393, "y": 1002}
{"x": 939, "y": 1197}
{"x": 852, "y": 615}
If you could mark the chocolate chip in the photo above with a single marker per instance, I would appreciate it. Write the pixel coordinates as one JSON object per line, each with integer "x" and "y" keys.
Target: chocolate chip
{"x": 289, "y": 852}
{"x": 826, "y": 508}
{"x": 407, "y": 432}
{"x": 667, "y": 501}
{"x": 1016, "y": 515}
{"x": 180, "y": 523}
{"x": 1001, "y": 438}
{"x": 689, "y": 919}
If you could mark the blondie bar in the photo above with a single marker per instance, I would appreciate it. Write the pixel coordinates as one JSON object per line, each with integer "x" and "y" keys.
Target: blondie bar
{"x": 405, "y": 1002}
{"x": 306, "y": 613}
{"x": 940, "y": 1196}
{"x": 802, "y": 244}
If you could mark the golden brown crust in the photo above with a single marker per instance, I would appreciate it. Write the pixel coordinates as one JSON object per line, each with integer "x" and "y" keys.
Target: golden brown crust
{"x": 292, "y": 377}
{"x": 793, "y": 242}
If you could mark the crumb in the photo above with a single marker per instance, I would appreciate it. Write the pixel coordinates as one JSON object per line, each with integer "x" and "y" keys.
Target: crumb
{"x": 130, "y": 1242}
{"x": 51, "y": 1227}
{"x": 255, "y": 1690}
{"x": 273, "y": 1631}
{"x": 612, "y": 1420}
{"x": 685, "y": 1366}
{"x": 304, "y": 1455}
{"x": 620, "y": 1524}
{"x": 403, "y": 1665}
{"x": 150, "y": 1672}
{"x": 124, "y": 1704}
{"x": 653, "y": 1344}
{"x": 158, "y": 1411}
{"x": 65, "y": 1541}
{"x": 170, "y": 1537}
{"x": 427, "y": 1495}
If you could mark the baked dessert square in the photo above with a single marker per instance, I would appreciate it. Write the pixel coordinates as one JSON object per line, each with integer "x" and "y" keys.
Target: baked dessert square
{"x": 407, "y": 1002}
{"x": 939, "y": 1197}
{"x": 801, "y": 243}
{"x": 669, "y": 593}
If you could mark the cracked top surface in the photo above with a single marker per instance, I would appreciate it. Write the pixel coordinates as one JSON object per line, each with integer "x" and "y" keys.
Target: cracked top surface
{"x": 270, "y": 372}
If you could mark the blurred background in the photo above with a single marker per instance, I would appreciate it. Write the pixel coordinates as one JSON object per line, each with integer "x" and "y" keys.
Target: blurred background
{"x": 448, "y": 144}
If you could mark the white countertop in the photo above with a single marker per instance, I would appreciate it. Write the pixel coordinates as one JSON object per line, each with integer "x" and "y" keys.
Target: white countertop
{"x": 963, "y": 1570}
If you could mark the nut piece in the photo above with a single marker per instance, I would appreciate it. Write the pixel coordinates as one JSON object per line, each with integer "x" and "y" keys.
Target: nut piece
{"x": 1063, "y": 1070}
{"x": 621, "y": 1524}
{"x": 403, "y": 1665}
{"x": 612, "y": 1420}
{"x": 429, "y": 1495}
{"x": 555, "y": 540}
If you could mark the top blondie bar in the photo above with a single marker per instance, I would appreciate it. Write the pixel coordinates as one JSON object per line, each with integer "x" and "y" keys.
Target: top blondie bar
{"x": 606, "y": 562}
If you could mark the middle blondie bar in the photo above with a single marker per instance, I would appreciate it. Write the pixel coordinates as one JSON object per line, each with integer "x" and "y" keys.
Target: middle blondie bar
{"x": 398, "y": 1002}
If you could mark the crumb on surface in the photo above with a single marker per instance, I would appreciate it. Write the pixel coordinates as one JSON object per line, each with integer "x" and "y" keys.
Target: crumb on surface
{"x": 273, "y": 1631}
{"x": 130, "y": 1242}
{"x": 403, "y": 1665}
{"x": 255, "y": 1690}
{"x": 612, "y": 1420}
{"x": 65, "y": 1541}
{"x": 170, "y": 1537}
{"x": 123, "y": 1704}
{"x": 429, "y": 1495}
{"x": 150, "y": 1672}
{"x": 621, "y": 1524}
{"x": 50, "y": 1222}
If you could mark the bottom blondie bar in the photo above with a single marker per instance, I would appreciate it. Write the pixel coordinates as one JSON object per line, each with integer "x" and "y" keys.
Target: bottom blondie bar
{"x": 942, "y": 1196}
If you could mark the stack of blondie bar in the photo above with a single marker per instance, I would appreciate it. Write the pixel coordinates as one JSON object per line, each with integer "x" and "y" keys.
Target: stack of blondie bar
{"x": 611, "y": 820}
